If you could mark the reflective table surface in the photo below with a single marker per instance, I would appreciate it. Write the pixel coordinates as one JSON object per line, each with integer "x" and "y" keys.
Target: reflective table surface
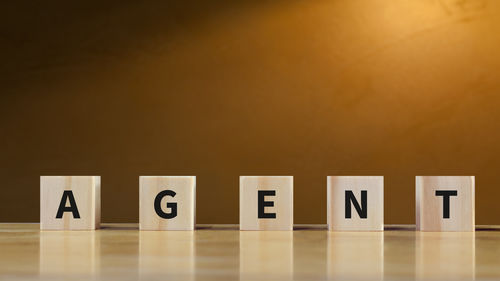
{"x": 222, "y": 252}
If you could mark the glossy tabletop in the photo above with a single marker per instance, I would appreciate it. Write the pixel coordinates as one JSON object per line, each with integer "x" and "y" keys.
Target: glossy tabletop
{"x": 222, "y": 252}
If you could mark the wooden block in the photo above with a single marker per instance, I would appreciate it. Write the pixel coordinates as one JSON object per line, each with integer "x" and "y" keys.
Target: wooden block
{"x": 70, "y": 202}
{"x": 266, "y": 203}
{"x": 355, "y": 203}
{"x": 167, "y": 202}
{"x": 445, "y": 203}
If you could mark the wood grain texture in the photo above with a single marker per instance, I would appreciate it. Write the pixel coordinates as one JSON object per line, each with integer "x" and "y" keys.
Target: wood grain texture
{"x": 184, "y": 198}
{"x": 336, "y": 203}
{"x": 429, "y": 206}
{"x": 86, "y": 191}
{"x": 283, "y": 202}
{"x": 222, "y": 252}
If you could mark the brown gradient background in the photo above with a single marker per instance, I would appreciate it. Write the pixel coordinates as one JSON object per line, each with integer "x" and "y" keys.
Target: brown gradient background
{"x": 220, "y": 89}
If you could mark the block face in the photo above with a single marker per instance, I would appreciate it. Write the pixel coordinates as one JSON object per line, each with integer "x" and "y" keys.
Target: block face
{"x": 167, "y": 202}
{"x": 365, "y": 193}
{"x": 82, "y": 191}
{"x": 275, "y": 194}
{"x": 445, "y": 203}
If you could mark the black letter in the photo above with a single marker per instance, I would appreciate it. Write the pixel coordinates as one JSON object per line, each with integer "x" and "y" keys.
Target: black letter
{"x": 262, "y": 204}
{"x": 446, "y": 201}
{"x": 67, "y": 194}
{"x": 362, "y": 211}
{"x": 173, "y": 206}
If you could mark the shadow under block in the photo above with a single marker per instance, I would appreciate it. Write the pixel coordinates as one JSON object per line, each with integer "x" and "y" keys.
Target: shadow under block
{"x": 167, "y": 202}
{"x": 355, "y": 203}
{"x": 70, "y": 202}
{"x": 266, "y": 203}
{"x": 445, "y": 203}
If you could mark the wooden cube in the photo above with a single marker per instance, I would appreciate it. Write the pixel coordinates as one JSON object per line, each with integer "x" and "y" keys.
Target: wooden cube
{"x": 70, "y": 202}
{"x": 167, "y": 202}
{"x": 355, "y": 203}
{"x": 266, "y": 203}
{"x": 445, "y": 203}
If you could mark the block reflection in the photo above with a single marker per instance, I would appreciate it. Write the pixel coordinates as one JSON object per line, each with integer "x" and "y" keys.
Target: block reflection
{"x": 445, "y": 255}
{"x": 170, "y": 254}
{"x": 355, "y": 255}
{"x": 266, "y": 254}
{"x": 69, "y": 252}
